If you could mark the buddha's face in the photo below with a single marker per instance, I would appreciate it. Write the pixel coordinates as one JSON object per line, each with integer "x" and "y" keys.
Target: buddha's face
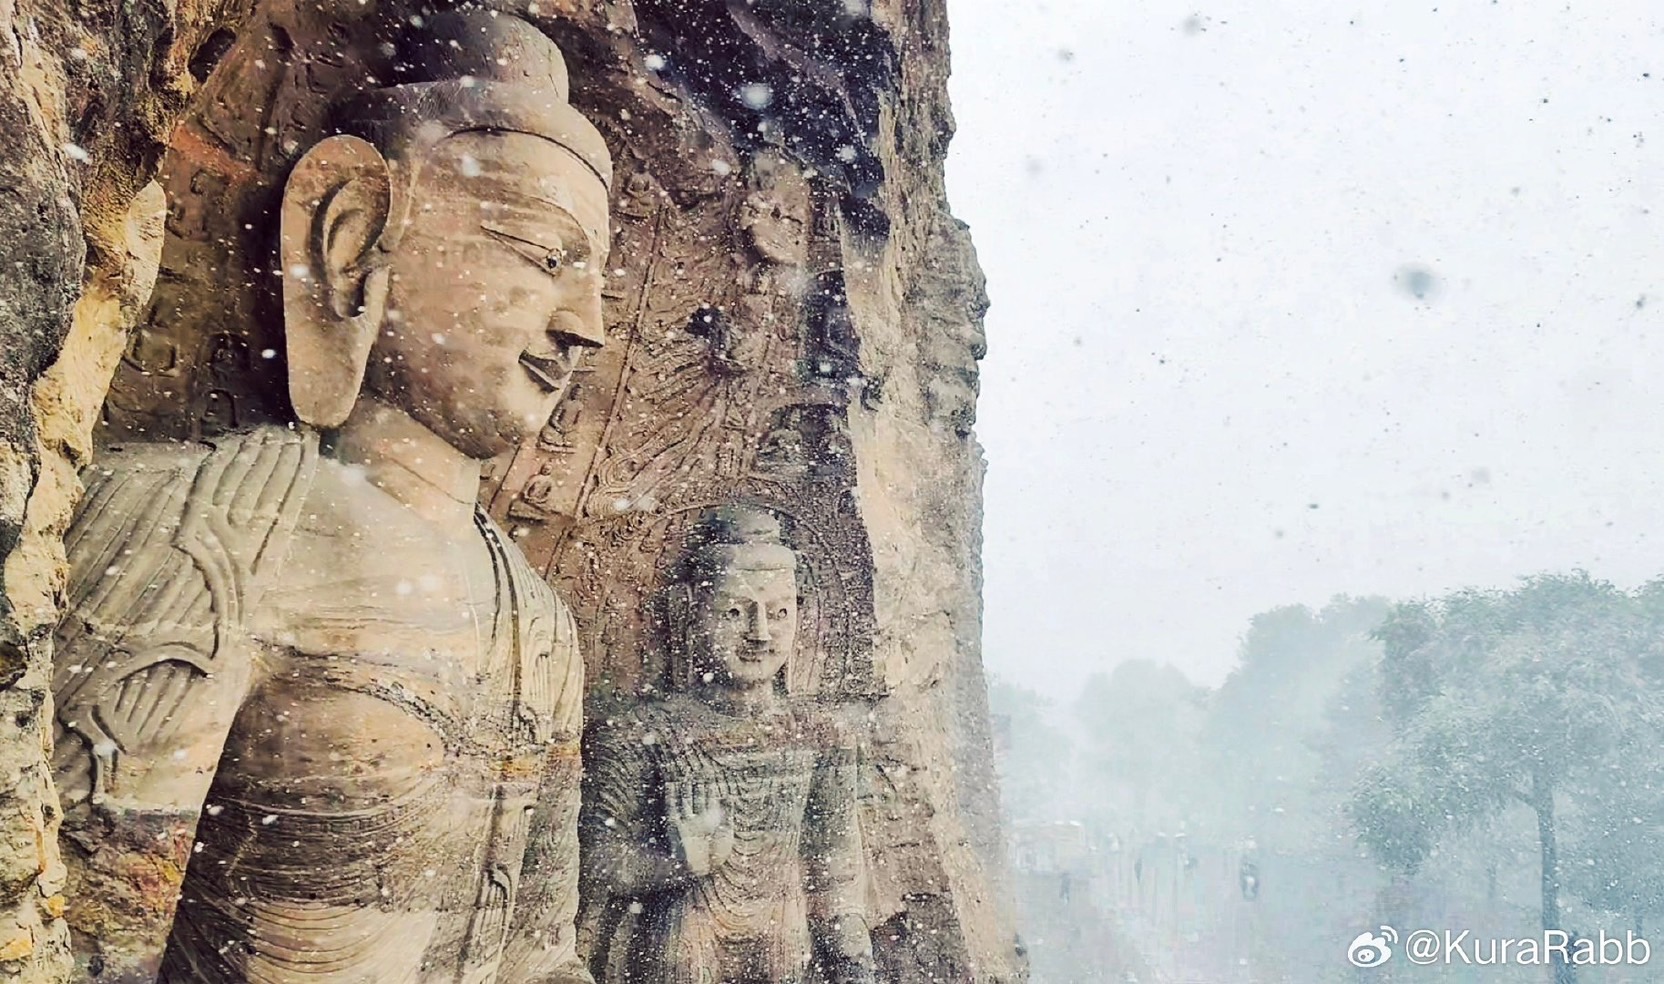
{"x": 775, "y": 215}
{"x": 495, "y": 289}
{"x": 745, "y": 626}
{"x": 775, "y": 229}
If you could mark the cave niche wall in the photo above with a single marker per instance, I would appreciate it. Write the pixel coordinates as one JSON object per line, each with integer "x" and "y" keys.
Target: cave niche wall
{"x": 831, "y": 379}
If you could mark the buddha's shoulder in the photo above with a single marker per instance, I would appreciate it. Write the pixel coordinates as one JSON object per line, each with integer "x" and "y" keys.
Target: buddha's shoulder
{"x": 829, "y": 726}
{"x": 266, "y": 454}
{"x": 530, "y": 583}
{"x": 346, "y": 514}
{"x": 184, "y": 514}
{"x": 342, "y": 498}
{"x": 148, "y": 456}
{"x": 244, "y": 487}
{"x": 646, "y": 719}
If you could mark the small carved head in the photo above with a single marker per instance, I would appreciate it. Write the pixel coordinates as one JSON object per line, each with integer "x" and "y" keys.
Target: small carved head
{"x": 732, "y": 352}
{"x": 743, "y": 600}
{"x": 776, "y": 211}
{"x": 444, "y": 251}
{"x": 783, "y": 450}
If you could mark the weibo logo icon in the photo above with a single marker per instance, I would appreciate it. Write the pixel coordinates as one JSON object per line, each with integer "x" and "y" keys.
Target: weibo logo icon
{"x": 1372, "y": 949}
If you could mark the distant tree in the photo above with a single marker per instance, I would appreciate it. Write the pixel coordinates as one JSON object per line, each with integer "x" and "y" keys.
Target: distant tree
{"x": 1269, "y": 726}
{"x": 1532, "y": 697}
{"x": 1141, "y": 723}
{"x": 1284, "y": 737}
{"x": 1615, "y": 858}
{"x": 1035, "y": 756}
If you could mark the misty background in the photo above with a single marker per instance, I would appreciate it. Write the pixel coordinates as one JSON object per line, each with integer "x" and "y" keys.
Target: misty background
{"x": 1299, "y": 299}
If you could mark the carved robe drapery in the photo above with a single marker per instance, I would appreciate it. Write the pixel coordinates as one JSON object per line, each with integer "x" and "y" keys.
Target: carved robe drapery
{"x": 787, "y": 782}
{"x": 423, "y": 825}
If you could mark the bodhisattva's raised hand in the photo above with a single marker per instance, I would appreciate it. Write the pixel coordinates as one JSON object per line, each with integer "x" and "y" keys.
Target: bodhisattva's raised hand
{"x": 700, "y": 832}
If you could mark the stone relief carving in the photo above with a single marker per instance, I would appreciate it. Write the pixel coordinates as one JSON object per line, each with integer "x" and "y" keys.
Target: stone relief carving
{"x": 560, "y": 430}
{"x": 952, "y": 342}
{"x": 834, "y": 352}
{"x": 306, "y": 688}
{"x": 708, "y": 203}
{"x": 719, "y": 823}
{"x": 533, "y": 502}
{"x": 803, "y": 441}
{"x": 777, "y": 211}
{"x": 683, "y": 412}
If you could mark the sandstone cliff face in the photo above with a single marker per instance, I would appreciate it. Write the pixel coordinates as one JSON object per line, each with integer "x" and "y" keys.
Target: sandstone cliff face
{"x": 794, "y": 320}
{"x": 86, "y": 96}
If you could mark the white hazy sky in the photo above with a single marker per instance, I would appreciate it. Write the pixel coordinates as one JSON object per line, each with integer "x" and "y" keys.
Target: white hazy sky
{"x": 1209, "y": 390}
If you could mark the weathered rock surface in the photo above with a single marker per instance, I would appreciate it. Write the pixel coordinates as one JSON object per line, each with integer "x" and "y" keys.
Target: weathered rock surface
{"x": 87, "y": 93}
{"x": 795, "y": 322}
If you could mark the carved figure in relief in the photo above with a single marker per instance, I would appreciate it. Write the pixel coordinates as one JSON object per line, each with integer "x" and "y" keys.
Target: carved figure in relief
{"x": 951, "y": 300}
{"x": 301, "y": 659}
{"x": 533, "y": 502}
{"x": 774, "y": 219}
{"x": 731, "y": 352}
{"x": 804, "y": 440}
{"x": 834, "y": 348}
{"x": 774, "y": 216}
{"x": 719, "y": 824}
{"x": 783, "y": 453}
{"x": 557, "y": 431}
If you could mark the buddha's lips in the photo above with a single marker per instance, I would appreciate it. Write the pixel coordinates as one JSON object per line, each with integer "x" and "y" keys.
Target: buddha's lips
{"x": 549, "y": 372}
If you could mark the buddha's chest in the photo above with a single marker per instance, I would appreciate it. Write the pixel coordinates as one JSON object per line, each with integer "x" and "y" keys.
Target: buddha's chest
{"x": 385, "y": 668}
{"x": 363, "y": 589}
{"x": 352, "y": 729}
{"x": 763, "y": 779}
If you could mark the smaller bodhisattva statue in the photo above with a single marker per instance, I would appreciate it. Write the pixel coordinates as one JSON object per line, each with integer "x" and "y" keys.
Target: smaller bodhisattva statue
{"x": 301, "y": 659}
{"x": 719, "y": 824}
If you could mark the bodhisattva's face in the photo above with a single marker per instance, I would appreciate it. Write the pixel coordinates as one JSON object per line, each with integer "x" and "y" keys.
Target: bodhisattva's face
{"x": 745, "y": 626}
{"x": 495, "y": 289}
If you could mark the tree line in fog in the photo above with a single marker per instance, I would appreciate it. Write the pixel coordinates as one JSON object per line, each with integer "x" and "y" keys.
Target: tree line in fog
{"x": 1487, "y": 759}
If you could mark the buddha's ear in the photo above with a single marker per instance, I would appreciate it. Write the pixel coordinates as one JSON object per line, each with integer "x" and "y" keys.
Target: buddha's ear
{"x": 335, "y": 206}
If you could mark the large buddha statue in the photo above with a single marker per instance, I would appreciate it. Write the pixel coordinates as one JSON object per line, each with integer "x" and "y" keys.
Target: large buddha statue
{"x": 719, "y": 823}
{"x": 309, "y": 638}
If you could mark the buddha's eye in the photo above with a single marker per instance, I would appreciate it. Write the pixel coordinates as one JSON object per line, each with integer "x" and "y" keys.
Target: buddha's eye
{"x": 733, "y": 613}
{"x": 780, "y": 614}
{"x": 551, "y": 259}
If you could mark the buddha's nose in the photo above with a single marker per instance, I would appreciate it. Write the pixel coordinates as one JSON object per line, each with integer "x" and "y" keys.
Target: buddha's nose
{"x": 580, "y": 320}
{"x": 759, "y": 626}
